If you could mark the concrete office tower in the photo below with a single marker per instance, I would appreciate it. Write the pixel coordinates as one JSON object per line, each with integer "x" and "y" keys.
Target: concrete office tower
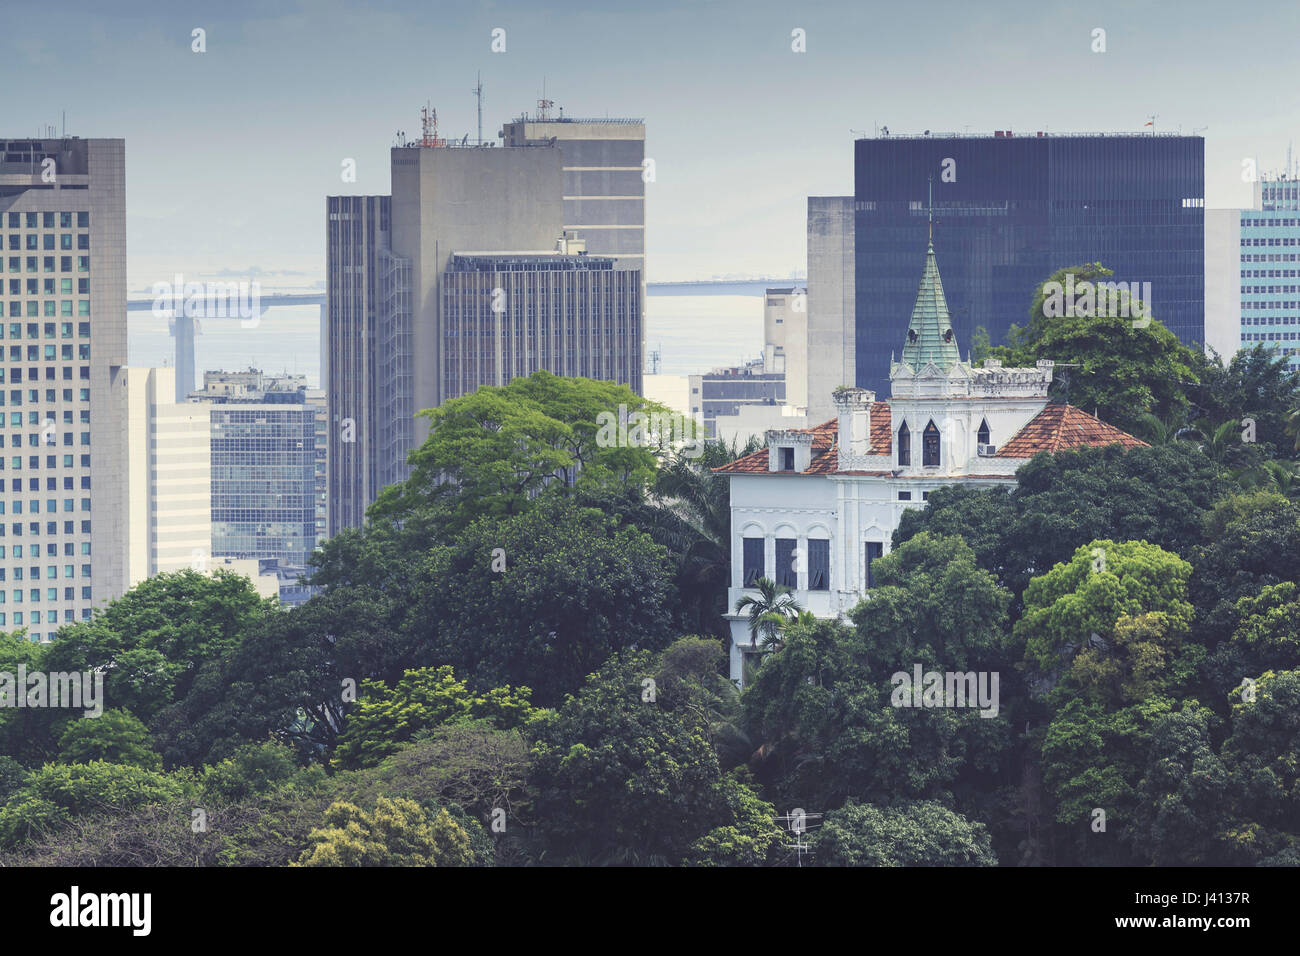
{"x": 1010, "y": 210}
{"x": 604, "y": 190}
{"x": 1223, "y": 281}
{"x": 169, "y": 511}
{"x": 183, "y": 328}
{"x": 448, "y": 200}
{"x": 785, "y": 341}
{"x": 264, "y": 468}
{"x": 358, "y": 260}
{"x": 507, "y": 315}
{"x": 63, "y": 541}
{"x": 831, "y": 340}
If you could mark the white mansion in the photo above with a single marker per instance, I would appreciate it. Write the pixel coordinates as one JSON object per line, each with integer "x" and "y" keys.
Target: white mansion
{"x": 836, "y": 492}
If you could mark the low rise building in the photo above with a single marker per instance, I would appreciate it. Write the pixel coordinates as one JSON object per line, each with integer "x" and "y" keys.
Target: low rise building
{"x": 817, "y": 506}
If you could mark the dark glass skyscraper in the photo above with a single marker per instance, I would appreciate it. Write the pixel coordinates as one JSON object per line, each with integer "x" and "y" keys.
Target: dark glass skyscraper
{"x": 1010, "y": 211}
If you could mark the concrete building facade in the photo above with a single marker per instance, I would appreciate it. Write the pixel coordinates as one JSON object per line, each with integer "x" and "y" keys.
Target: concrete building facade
{"x": 169, "y": 474}
{"x": 831, "y": 340}
{"x": 63, "y": 537}
{"x": 507, "y": 315}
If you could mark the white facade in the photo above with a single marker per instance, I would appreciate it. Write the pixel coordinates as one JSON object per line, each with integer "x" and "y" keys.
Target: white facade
{"x": 169, "y": 480}
{"x": 853, "y": 491}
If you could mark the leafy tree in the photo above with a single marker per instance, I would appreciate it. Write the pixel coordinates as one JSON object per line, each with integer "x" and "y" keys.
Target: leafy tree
{"x": 1253, "y": 384}
{"x": 1110, "y": 622}
{"x": 1251, "y": 552}
{"x": 396, "y": 833}
{"x": 116, "y": 736}
{"x": 1260, "y": 759}
{"x": 1064, "y": 500}
{"x": 576, "y": 588}
{"x": 255, "y": 770}
{"x": 754, "y": 838}
{"x": 915, "y": 833}
{"x": 822, "y": 709}
{"x": 387, "y": 717}
{"x": 1184, "y": 793}
{"x": 623, "y": 774}
{"x": 54, "y": 794}
{"x": 159, "y": 639}
{"x": 29, "y": 734}
{"x": 493, "y": 451}
{"x": 1093, "y": 759}
{"x": 933, "y": 605}
{"x": 1122, "y": 372}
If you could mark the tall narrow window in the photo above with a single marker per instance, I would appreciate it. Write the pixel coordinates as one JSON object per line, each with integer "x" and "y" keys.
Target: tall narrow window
{"x": 982, "y": 436}
{"x": 930, "y": 445}
{"x": 786, "y": 573}
{"x": 904, "y": 445}
{"x": 819, "y": 564}
{"x": 787, "y": 459}
{"x": 874, "y": 550}
{"x": 753, "y": 560}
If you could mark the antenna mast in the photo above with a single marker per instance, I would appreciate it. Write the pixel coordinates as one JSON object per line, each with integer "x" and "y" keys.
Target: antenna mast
{"x": 478, "y": 94}
{"x": 429, "y": 127}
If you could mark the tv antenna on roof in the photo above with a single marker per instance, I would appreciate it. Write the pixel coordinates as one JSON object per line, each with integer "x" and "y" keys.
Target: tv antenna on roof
{"x": 478, "y": 94}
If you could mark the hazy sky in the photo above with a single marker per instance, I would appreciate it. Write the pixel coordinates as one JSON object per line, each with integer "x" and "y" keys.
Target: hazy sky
{"x": 231, "y": 152}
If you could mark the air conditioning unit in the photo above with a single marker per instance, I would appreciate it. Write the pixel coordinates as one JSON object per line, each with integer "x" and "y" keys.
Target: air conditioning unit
{"x": 986, "y": 451}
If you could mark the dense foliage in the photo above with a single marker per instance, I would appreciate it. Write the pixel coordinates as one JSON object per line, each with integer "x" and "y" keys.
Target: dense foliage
{"x": 495, "y": 671}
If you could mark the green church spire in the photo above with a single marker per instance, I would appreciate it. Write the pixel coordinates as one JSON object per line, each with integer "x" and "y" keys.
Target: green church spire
{"x": 930, "y": 337}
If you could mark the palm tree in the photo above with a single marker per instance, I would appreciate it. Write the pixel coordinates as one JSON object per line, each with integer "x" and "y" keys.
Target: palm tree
{"x": 769, "y": 612}
{"x": 1154, "y": 431}
{"x": 1219, "y": 442}
{"x": 1293, "y": 426}
{"x": 691, "y": 516}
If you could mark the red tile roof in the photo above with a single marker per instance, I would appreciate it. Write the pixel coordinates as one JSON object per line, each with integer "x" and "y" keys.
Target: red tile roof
{"x": 1058, "y": 427}
{"x": 1055, "y": 428}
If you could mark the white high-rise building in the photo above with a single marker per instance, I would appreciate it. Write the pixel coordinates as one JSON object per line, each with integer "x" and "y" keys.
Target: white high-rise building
{"x": 63, "y": 480}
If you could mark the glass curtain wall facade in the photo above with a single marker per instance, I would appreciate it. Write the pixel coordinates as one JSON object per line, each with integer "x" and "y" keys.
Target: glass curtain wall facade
{"x": 1009, "y": 211}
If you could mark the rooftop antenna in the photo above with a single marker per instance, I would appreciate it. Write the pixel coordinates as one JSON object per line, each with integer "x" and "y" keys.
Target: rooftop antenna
{"x": 1152, "y": 124}
{"x": 544, "y": 105}
{"x": 478, "y": 94}
{"x": 932, "y": 209}
{"x": 429, "y": 127}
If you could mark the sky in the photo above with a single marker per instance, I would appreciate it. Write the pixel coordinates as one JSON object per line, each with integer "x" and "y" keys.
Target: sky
{"x": 232, "y": 151}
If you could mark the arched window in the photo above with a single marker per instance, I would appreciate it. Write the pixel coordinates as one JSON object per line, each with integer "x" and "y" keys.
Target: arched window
{"x": 982, "y": 436}
{"x": 904, "y": 445}
{"x": 930, "y": 445}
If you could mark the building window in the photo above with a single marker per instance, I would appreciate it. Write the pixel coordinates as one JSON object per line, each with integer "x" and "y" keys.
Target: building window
{"x": 786, "y": 575}
{"x": 787, "y": 459}
{"x": 752, "y": 561}
{"x": 904, "y": 445}
{"x": 875, "y": 549}
{"x": 982, "y": 436}
{"x": 819, "y": 564}
{"x": 904, "y": 496}
{"x": 930, "y": 445}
